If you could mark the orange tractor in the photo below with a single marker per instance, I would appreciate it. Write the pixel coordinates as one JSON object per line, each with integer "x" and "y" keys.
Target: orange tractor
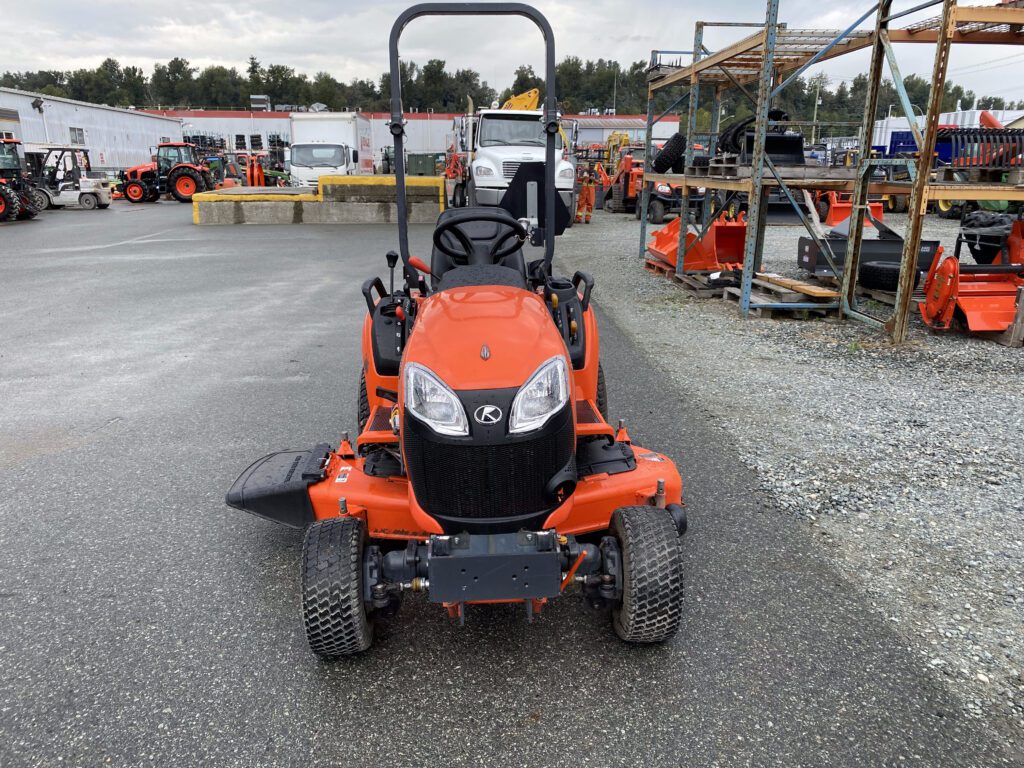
{"x": 485, "y": 470}
{"x": 17, "y": 195}
{"x": 176, "y": 169}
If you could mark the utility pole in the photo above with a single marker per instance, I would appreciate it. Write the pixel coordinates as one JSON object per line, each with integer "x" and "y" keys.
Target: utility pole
{"x": 814, "y": 120}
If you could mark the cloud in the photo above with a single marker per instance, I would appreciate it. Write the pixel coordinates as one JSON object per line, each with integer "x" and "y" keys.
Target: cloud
{"x": 349, "y": 39}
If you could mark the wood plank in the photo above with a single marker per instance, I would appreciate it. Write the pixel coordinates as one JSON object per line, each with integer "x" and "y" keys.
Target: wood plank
{"x": 799, "y": 286}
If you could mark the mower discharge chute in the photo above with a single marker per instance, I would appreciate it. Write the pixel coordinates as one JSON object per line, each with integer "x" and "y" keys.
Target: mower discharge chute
{"x": 485, "y": 469}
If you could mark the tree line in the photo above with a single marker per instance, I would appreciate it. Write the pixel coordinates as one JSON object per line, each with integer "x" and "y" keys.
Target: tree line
{"x": 582, "y": 85}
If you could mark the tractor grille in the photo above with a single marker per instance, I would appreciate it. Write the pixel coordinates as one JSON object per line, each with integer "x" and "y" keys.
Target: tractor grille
{"x": 509, "y": 168}
{"x": 463, "y": 480}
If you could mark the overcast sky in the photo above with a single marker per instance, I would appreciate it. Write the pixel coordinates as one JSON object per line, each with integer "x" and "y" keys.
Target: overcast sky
{"x": 349, "y": 39}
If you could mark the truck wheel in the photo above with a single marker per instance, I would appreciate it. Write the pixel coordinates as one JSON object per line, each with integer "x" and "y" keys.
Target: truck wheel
{"x": 458, "y": 196}
{"x": 88, "y": 202}
{"x": 10, "y": 205}
{"x": 184, "y": 183}
{"x": 333, "y": 610}
{"x": 656, "y": 212}
{"x": 39, "y": 199}
{"x": 652, "y": 575}
{"x": 602, "y": 393}
{"x": 135, "y": 192}
{"x": 672, "y": 150}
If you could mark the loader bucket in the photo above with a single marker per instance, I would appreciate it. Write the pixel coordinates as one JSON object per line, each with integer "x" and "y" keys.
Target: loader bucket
{"x": 664, "y": 242}
{"x": 840, "y": 210}
{"x": 730, "y": 240}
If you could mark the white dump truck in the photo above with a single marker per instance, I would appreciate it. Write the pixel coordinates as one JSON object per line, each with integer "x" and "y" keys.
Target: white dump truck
{"x": 329, "y": 144}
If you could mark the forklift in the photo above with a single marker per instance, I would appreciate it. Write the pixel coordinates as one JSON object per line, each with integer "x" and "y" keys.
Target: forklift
{"x": 62, "y": 175}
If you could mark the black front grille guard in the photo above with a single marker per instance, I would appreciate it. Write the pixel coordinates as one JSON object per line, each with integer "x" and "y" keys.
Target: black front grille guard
{"x": 550, "y": 112}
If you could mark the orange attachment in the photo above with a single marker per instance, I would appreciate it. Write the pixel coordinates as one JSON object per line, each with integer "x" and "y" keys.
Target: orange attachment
{"x": 720, "y": 248}
{"x": 983, "y": 297}
{"x": 840, "y": 207}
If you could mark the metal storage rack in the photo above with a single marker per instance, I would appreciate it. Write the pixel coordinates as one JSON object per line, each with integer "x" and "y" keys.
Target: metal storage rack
{"x": 774, "y": 52}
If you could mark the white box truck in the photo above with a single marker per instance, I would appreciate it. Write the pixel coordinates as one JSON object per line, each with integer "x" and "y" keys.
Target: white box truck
{"x": 329, "y": 144}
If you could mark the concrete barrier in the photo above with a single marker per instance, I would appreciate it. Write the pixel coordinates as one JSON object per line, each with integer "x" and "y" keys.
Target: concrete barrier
{"x": 337, "y": 200}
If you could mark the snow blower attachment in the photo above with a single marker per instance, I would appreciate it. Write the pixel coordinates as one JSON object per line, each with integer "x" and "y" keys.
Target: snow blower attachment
{"x": 485, "y": 469}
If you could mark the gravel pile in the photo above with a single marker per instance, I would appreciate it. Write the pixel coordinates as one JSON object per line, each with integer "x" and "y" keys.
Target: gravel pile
{"x": 906, "y": 460}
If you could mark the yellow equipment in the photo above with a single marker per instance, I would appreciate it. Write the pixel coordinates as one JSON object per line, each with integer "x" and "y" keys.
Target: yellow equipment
{"x": 526, "y": 101}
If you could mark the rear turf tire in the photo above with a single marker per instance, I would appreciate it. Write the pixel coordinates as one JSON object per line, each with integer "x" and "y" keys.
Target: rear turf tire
{"x": 652, "y": 575}
{"x": 602, "y": 393}
{"x": 364, "y": 402}
{"x": 333, "y": 610}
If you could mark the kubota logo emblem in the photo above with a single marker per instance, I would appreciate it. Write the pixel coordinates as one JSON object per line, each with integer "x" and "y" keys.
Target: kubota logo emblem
{"x": 487, "y": 414}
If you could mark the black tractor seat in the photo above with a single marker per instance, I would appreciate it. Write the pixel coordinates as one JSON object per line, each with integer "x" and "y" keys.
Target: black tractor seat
{"x": 482, "y": 235}
{"x": 473, "y": 275}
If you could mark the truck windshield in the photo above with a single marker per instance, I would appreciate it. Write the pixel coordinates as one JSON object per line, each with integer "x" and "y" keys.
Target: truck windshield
{"x": 9, "y": 157}
{"x": 318, "y": 155}
{"x": 513, "y": 130}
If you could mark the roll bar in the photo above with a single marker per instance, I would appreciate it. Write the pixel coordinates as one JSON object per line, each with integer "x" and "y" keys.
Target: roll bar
{"x": 550, "y": 111}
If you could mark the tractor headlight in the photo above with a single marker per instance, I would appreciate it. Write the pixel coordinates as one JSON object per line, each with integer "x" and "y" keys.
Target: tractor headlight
{"x": 483, "y": 170}
{"x": 430, "y": 400}
{"x": 543, "y": 395}
{"x": 664, "y": 189}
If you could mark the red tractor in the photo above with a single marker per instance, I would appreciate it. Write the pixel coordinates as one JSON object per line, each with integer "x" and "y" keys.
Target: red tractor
{"x": 177, "y": 170}
{"x": 16, "y": 198}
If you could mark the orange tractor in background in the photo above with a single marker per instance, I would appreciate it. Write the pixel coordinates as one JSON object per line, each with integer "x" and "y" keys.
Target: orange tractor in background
{"x": 176, "y": 169}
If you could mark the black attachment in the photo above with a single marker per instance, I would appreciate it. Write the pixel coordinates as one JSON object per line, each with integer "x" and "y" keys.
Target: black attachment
{"x": 604, "y": 456}
{"x": 502, "y": 566}
{"x": 567, "y": 312}
{"x": 275, "y": 487}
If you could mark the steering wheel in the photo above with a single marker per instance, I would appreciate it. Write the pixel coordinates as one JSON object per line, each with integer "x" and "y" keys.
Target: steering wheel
{"x": 499, "y": 249}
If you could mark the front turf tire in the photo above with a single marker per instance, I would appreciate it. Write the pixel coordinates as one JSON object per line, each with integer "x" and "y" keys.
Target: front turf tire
{"x": 333, "y": 610}
{"x": 652, "y": 575}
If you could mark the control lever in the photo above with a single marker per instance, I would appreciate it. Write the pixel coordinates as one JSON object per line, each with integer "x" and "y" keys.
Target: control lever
{"x": 392, "y": 257}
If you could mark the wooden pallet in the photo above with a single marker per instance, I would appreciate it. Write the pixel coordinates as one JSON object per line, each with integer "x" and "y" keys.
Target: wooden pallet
{"x": 768, "y": 289}
{"x": 699, "y": 285}
{"x": 659, "y": 267}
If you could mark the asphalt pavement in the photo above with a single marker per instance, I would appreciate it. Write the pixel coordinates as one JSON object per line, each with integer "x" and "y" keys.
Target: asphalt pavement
{"x": 144, "y": 362}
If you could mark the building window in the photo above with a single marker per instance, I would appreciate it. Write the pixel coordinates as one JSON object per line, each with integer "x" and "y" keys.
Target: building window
{"x": 6, "y": 135}
{"x": 165, "y": 139}
{"x": 77, "y": 135}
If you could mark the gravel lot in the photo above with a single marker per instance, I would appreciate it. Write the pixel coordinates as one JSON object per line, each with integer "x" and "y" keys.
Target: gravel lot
{"x": 905, "y": 461}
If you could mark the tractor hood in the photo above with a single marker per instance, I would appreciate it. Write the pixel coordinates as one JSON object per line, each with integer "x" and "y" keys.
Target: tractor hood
{"x": 484, "y": 337}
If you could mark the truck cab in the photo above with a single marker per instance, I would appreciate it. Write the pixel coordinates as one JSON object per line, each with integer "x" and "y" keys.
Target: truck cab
{"x": 308, "y": 162}
{"x": 502, "y": 140}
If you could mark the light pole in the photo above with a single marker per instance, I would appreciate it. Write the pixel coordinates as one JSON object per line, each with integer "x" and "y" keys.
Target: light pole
{"x": 814, "y": 120}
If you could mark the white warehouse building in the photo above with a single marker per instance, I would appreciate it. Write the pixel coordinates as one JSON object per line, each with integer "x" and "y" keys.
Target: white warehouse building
{"x": 116, "y": 138}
